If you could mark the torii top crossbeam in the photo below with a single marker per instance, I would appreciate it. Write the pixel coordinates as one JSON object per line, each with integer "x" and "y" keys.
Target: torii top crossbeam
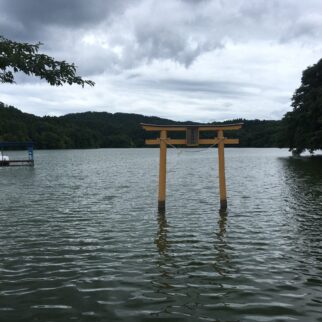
{"x": 183, "y": 127}
{"x": 192, "y": 133}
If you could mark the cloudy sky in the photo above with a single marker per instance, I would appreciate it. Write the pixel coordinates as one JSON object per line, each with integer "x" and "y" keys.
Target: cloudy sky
{"x": 201, "y": 60}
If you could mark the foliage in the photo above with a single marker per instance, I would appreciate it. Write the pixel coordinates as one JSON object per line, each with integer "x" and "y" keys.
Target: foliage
{"x": 303, "y": 125}
{"x": 259, "y": 133}
{"x": 105, "y": 130}
{"x": 24, "y": 57}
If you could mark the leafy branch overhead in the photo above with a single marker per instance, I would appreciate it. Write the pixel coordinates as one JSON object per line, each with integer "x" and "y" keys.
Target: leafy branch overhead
{"x": 24, "y": 57}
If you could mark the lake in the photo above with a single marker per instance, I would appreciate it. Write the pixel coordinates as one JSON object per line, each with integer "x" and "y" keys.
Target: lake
{"x": 81, "y": 238}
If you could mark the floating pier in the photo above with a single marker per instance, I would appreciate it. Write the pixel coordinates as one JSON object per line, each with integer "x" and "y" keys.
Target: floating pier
{"x": 5, "y": 161}
{"x": 192, "y": 140}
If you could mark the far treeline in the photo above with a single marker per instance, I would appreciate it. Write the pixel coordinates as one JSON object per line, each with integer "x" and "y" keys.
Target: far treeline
{"x": 118, "y": 130}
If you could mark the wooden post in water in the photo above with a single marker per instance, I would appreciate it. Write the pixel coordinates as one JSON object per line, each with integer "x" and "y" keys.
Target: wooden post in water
{"x": 221, "y": 169}
{"x": 162, "y": 170}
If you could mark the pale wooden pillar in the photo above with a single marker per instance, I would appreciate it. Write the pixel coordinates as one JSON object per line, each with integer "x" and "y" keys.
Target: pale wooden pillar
{"x": 221, "y": 168}
{"x": 162, "y": 170}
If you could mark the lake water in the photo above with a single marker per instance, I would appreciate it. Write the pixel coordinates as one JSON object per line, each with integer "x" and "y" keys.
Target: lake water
{"x": 81, "y": 239}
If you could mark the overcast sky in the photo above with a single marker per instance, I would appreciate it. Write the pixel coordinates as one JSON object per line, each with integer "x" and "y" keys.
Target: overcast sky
{"x": 201, "y": 60}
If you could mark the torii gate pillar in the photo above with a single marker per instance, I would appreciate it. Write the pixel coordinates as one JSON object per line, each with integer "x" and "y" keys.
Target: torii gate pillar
{"x": 162, "y": 170}
{"x": 221, "y": 169}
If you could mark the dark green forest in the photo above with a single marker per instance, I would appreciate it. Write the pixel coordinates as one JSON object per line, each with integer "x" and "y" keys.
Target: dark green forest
{"x": 303, "y": 125}
{"x": 107, "y": 130}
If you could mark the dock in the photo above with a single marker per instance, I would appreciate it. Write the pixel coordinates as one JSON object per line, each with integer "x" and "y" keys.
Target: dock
{"x": 5, "y": 161}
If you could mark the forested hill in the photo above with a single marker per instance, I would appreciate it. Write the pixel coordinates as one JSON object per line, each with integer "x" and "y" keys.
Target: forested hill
{"x": 103, "y": 130}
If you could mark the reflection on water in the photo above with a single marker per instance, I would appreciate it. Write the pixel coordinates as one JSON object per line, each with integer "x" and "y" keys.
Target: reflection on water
{"x": 303, "y": 179}
{"x": 303, "y": 192}
{"x": 222, "y": 223}
{"x": 161, "y": 239}
{"x": 81, "y": 240}
{"x": 221, "y": 259}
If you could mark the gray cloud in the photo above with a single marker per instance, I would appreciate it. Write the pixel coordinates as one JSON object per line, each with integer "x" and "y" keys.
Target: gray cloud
{"x": 128, "y": 33}
{"x": 30, "y": 19}
{"x": 224, "y": 89}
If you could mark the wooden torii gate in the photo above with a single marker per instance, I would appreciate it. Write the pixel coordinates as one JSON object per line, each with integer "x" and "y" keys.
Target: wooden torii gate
{"x": 192, "y": 139}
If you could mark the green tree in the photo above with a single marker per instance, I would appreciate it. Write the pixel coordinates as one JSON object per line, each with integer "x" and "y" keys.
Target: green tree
{"x": 303, "y": 125}
{"x": 24, "y": 57}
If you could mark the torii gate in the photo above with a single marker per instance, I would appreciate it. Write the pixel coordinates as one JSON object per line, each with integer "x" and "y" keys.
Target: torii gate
{"x": 192, "y": 139}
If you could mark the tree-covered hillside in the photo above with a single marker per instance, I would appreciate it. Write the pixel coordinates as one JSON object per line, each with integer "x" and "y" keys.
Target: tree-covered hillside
{"x": 103, "y": 130}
